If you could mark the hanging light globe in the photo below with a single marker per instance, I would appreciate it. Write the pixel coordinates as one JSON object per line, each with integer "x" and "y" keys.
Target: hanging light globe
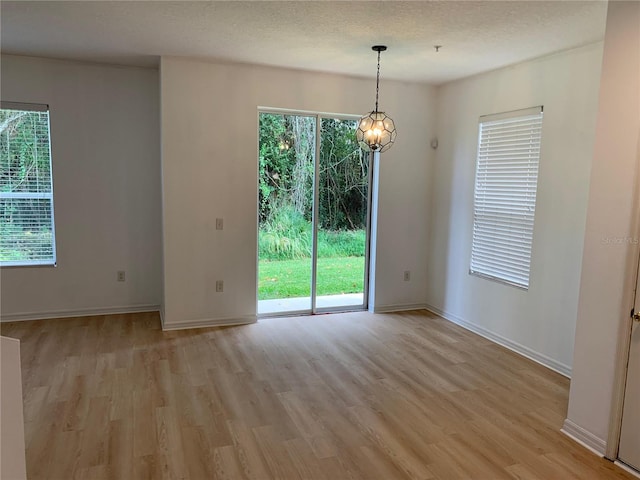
{"x": 376, "y": 130}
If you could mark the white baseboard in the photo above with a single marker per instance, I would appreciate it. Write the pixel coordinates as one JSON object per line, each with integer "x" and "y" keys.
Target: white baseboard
{"x": 399, "y": 308}
{"x": 208, "y": 322}
{"x": 584, "y": 437}
{"x": 85, "y": 312}
{"x": 537, "y": 357}
{"x": 627, "y": 468}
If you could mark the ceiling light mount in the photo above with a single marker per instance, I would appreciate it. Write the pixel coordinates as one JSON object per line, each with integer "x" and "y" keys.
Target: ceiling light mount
{"x": 376, "y": 130}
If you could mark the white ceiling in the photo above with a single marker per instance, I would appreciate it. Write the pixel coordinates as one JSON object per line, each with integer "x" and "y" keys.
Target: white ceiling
{"x": 325, "y": 36}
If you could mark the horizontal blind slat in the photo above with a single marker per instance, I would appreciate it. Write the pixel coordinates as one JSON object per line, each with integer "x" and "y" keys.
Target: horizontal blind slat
{"x": 514, "y": 269}
{"x": 497, "y": 268}
{"x": 504, "y": 197}
{"x": 26, "y": 190}
{"x": 514, "y": 251}
{"x": 503, "y": 277}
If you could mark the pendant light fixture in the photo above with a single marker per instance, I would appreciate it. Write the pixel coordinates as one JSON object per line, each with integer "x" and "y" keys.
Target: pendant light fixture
{"x": 376, "y": 131}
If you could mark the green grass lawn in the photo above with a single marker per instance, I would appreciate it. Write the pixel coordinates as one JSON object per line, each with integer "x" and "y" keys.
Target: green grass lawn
{"x": 292, "y": 278}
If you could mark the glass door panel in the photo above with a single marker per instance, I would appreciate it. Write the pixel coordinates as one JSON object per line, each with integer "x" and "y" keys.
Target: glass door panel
{"x": 287, "y": 145}
{"x": 342, "y": 216}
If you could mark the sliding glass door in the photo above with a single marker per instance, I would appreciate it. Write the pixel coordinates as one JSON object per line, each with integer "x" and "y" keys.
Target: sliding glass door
{"x": 313, "y": 214}
{"x": 287, "y": 152}
{"x": 342, "y": 206}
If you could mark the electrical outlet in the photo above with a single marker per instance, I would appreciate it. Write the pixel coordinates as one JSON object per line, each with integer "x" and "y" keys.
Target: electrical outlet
{"x": 219, "y": 224}
{"x": 121, "y": 276}
{"x": 219, "y": 286}
{"x": 407, "y": 275}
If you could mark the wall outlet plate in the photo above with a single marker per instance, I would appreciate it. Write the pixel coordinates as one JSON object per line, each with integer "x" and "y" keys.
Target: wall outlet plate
{"x": 219, "y": 223}
{"x": 121, "y": 277}
{"x": 219, "y": 286}
{"x": 407, "y": 275}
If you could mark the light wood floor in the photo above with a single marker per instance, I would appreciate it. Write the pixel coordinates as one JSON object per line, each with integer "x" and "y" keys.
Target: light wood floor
{"x": 349, "y": 396}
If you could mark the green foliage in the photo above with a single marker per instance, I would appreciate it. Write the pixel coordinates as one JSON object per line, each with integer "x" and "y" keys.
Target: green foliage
{"x": 25, "y": 186}
{"x": 273, "y": 161}
{"x": 287, "y": 163}
{"x": 286, "y": 168}
{"x": 341, "y": 243}
{"x": 344, "y": 177}
{"x": 24, "y": 151}
{"x": 285, "y": 235}
{"x": 291, "y": 278}
{"x": 19, "y": 242}
{"x": 286, "y": 149}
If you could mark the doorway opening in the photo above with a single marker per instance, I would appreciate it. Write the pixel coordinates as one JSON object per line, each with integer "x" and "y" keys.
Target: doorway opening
{"x": 313, "y": 214}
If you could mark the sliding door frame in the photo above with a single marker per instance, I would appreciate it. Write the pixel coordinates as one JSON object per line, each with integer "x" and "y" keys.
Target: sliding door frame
{"x": 315, "y": 216}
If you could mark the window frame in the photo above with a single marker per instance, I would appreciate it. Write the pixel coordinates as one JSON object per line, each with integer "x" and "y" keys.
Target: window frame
{"x": 509, "y": 268}
{"x": 53, "y": 260}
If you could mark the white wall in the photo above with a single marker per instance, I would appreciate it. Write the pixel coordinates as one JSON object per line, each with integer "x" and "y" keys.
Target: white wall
{"x": 106, "y": 176}
{"x": 209, "y": 128}
{"x": 611, "y": 240}
{"x": 539, "y": 322}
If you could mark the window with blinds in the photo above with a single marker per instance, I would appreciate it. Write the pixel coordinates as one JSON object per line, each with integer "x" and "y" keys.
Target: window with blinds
{"x": 505, "y": 195}
{"x": 27, "y": 233}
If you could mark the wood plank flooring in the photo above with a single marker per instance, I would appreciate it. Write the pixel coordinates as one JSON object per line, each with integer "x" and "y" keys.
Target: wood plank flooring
{"x": 344, "y": 396}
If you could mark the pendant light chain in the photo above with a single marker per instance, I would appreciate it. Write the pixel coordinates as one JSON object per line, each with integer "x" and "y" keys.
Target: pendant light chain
{"x": 376, "y": 131}
{"x": 378, "y": 81}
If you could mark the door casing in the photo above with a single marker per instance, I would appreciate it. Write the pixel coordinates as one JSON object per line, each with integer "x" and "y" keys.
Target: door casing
{"x": 621, "y": 371}
{"x": 316, "y": 187}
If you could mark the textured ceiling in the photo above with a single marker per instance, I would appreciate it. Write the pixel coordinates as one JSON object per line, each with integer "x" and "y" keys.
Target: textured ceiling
{"x": 325, "y": 36}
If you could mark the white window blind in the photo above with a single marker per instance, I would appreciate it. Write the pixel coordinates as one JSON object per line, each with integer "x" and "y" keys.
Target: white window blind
{"x": 27, "y": 233}
{"x": 505, "y": 195}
